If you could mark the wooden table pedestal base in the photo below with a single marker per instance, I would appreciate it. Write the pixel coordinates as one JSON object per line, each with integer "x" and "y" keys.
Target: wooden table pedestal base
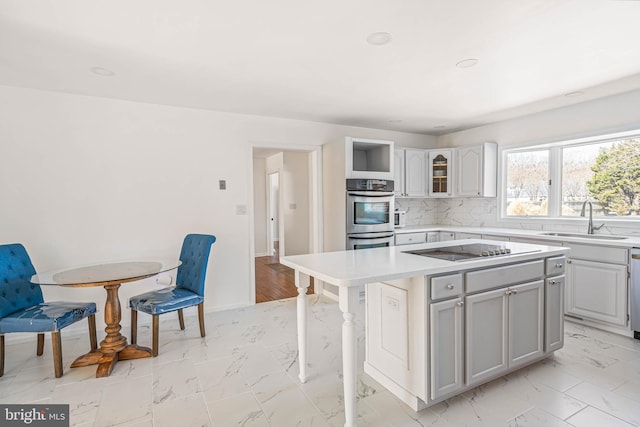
{"x": 114, "y": 346}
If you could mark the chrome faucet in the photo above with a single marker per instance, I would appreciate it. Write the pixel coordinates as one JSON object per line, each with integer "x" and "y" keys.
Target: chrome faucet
{"x": 590, "y": 227}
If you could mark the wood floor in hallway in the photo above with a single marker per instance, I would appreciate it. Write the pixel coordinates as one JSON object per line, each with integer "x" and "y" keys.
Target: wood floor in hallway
{"x": 273, "y": 280}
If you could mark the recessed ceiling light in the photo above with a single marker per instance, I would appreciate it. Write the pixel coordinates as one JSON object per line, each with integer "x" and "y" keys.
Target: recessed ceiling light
{"x": 467, "y": 63}
{"x": 574, "y": 94}
{"x": 101, "y": 71}
{"x": 395, "y": 121}
{"x": 378, "y": 39}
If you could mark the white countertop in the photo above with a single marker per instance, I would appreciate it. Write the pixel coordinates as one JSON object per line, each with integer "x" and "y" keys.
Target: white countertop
{"x": 353, "y": 268}
{"x": 599, "y": 239}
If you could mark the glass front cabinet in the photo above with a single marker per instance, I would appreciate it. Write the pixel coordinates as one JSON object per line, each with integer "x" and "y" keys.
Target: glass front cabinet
{"x": 440, "y": 173}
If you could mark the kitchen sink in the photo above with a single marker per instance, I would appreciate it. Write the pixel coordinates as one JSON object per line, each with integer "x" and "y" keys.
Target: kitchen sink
{"x": 584, "y": 236}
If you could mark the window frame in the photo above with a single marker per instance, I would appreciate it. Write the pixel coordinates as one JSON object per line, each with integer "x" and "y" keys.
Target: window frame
{"x": 554, "y": 206}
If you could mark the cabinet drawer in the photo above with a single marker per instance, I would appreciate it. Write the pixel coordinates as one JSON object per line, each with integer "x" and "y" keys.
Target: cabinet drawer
{"x": 555, "y": 265}
{"x": 501, "y": 276}
{"x": 410, "y": 238}
{"x": 446, "y": 286}
{"x": 598, "y": 253}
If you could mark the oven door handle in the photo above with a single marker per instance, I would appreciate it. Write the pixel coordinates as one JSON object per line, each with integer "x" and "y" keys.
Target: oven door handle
{"x": 364, "y": 236}
{"x": 370, "y": 193}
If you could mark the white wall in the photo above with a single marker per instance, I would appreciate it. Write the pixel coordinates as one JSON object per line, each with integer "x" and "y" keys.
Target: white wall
{"x": 294, "y": 192}
{"x": 613, "y": 113}
{"x": 260, "y": 206}
{"x": 85, "y": 179}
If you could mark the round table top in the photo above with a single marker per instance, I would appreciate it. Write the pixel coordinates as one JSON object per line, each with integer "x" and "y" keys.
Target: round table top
{"x": 105, "y": 273}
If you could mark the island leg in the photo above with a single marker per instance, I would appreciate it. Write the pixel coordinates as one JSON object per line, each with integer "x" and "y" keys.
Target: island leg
{"x": 302, "y": 283}
{"x": 348, "y": 300}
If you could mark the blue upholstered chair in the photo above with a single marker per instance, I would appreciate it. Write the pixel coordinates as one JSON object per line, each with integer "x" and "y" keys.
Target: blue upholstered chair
{"x": 22, "y": 307}
{"x": 189, "y": 289}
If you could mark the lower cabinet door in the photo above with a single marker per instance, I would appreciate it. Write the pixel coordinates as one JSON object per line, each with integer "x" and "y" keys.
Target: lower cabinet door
{"x": 486, "y": 323}
{"x": 553, "y": 315}
{"x": 597, "y": 291}
{"x": 446, "y": 353}
{"x": 526, "y": 322}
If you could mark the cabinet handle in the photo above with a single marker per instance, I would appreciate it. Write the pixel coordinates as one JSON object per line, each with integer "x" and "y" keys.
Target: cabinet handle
{"x": 508, "y": 292}
{"x": 553, "y": 282}
{"x": 514, "y": 292}
{"x": 558, "y": 265}
{"x": 450, "y": 286}
{"x": 568, "y": 261}
{"x": 460, "y": 303}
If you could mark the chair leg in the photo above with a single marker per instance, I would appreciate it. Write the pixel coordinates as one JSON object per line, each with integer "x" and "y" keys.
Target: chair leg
{"x": 134, "y": 326}
{"x": 57, "y": 353}
{"x": 40, "y": 348}
{"x": 1, "y": 355}
{"x": 201, "y": 318}
{"x": 181, "y": 319}
{"x": 155, "y": 332}
{"x": 92, "y": 332}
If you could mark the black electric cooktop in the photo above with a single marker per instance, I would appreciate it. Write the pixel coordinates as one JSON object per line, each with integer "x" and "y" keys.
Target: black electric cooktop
{"x": 466, "y": 252}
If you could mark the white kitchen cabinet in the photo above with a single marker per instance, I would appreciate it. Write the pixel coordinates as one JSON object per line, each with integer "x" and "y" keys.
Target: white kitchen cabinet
{"x": 554, "y": 309}
{"x": 411, "y": 179}
{"x": 446, "y": 235}
{"x": 446, "y": 351}
{"x": 596, "y": 283}
{"x": 526, "y": 322}
{"x": 477, "y": 170}
{"x": 504, "y": 329}
{"x": 495, "y": 237}
{"x": 411, "y": 238}
{"x": 459, "y": 235}
{"x": 433, "y": 236}
{"x": 440, "y": 173}
{"x": 597, "y": 291}
{"x": 486, "y": 320}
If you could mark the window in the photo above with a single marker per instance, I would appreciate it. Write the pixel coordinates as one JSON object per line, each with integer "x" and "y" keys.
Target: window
{"x": 555, "y": 180}
{"x": 527, "y": 183}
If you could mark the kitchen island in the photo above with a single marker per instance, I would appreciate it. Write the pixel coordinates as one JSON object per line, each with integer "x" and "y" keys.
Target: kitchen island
{"x": 410, "y": 300}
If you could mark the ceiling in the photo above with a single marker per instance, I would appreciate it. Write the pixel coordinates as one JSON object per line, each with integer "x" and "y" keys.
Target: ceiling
{"x": 310, "y": 60}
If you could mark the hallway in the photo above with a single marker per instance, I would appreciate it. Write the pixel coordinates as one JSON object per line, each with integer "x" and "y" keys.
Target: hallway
{"x": 274, "y": 281}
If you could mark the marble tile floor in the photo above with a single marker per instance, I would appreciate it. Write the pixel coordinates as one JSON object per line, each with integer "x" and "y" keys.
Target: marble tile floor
{"x": 244, "y": 373}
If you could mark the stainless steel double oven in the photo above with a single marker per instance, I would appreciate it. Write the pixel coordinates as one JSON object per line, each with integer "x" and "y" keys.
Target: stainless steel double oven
{"x": 370, "y": 207}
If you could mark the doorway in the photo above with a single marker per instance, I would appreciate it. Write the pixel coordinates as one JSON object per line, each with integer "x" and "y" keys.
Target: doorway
{"x": 286, "y": 209}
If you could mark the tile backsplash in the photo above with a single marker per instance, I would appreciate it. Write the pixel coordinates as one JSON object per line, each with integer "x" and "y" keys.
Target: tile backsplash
{"x": 483, "y": 212}
{"x": 419, "y": 211}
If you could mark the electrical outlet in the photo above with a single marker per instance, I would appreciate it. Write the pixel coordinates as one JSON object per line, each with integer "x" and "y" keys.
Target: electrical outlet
{"x": 241, "y": 209}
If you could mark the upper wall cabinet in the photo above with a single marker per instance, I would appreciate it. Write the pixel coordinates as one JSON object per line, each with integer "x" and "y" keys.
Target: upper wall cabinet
{"x": 369, "y": 158}
{"x": 440, "y": 173}
{"x": 477, "y": 170}
{"x": 410, "y": 172}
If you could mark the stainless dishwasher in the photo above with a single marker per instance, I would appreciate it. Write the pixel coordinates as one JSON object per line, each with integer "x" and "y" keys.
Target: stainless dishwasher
{"x": 635, "y": 292}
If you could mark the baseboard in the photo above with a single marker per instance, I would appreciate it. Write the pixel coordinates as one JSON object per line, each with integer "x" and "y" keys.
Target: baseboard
{"x": 407, "y": 397}
{"x": 261, "y": 254}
